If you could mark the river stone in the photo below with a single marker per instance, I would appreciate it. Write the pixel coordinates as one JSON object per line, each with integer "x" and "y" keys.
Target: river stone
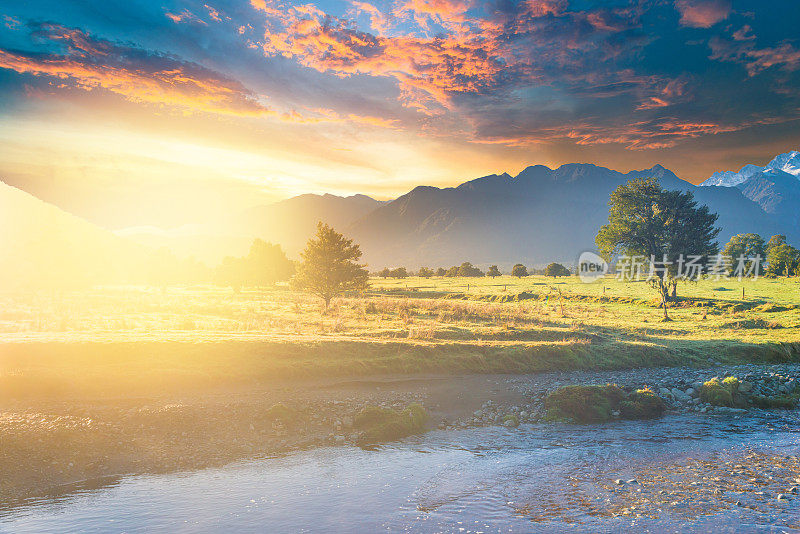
{"x": 782, "y": 497}
{"x": 745, "y": 387}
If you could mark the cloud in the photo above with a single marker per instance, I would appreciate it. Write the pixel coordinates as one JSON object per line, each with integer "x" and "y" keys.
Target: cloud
{"x": 135, "y": 74}
{"x": 755, "y": 60}
{"x": 702, "y": 13}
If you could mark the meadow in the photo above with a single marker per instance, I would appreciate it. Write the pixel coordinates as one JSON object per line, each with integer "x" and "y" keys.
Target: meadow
{"x": 126, "y": 336}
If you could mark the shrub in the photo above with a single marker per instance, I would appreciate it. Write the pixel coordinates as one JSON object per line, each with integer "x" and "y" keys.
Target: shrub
{"x": 642, "y": 404}
{"x": 583, "y": 404}
{"x": 383, "y": 424}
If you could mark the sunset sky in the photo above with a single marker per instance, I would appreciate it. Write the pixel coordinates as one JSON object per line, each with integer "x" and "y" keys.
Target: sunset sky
{"x": 163, "y": 113}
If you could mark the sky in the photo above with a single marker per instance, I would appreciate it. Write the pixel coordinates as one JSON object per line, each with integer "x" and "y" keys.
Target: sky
{"x": 133, "y": 113}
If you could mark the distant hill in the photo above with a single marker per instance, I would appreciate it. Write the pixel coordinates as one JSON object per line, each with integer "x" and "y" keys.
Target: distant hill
{"x": 42, "y": 246}
{"x": 538, "y": 216}
{"x": 293, "y": 221}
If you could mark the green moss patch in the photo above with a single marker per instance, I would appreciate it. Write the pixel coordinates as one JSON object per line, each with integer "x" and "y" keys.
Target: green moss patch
{"x": 583, "y": 404}
{"x": 379, "y": 425}
{"x": 721, "y": 392}
{"x": 642, "y": 404}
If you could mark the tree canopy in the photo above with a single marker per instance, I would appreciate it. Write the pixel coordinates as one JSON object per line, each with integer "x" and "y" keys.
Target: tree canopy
{"x": 519, "y": 270}
{"x": 555, "y": 270}
{"x": 493, "y": 271}
{"x": 329, "y": 265}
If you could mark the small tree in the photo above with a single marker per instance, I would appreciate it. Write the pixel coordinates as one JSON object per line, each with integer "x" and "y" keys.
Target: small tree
{"x": 782, "y": 260}
{"x": 519, "y": 270}
{"x": 555, "y": 270}
{"x": 466, "y": 269}
{"x": 425, "y": 272}
{"x": 441, "y": 271}
{"x": 385, "y": 272}
{"x": 328, "y": 265}
{"x": 645, "y": 220}
{"x": 399, "y": 272}
{"x": 452, "y": 272}
{"x": 493, "y": 271}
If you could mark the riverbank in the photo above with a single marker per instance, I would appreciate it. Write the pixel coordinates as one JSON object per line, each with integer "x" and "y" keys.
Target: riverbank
{"x": 51, "y": 442}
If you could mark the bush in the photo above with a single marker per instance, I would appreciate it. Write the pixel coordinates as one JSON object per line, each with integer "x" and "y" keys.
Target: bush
{"x": 720, "y": 393}
{"x": 583, "y": 404}
{"x": 379, "y": 425}
{"x": 642, "y": 404}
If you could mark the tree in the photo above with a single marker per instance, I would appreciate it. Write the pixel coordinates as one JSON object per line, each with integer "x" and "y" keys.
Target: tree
{"x": 774, "y": 241}
{"x": 399, "y": 272}
{"x": 425, "y": 272}
{"x": 452, "y": 272}
{"x": 385, "y": 272}
{"x": 493, "y": 271}
{"x": 555, "y": 270}
{"x": 663, "y": 226}
{"x": 782, "y": 259}
{"x": 328, "y": 265}
{"x": 468, "y": 270}
{"x": 745, "y": 246}
{"x": 441, "y": 271}
{"x": 519, "y": 270}
{"x": 264, "y": 265}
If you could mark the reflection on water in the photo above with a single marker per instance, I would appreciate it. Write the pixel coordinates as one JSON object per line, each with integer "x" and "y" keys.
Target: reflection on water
{"x": 477, "y": 480}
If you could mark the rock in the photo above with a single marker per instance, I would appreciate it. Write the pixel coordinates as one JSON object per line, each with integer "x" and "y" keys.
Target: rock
{"x": 633, "y": 481}
{"x": 782, "y": 497}
{"x": 793, "y": 490}
{"x": 615, "y": 413}
{"x": 664, "y": 392}
{"x": 690, "y": 392}
{"x": 619, "y": 482}
{"x": 745, "y": 386}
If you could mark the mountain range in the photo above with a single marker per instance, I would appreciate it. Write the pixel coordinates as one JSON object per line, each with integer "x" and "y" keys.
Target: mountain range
{"x": 774, "y": 187}
{"x": 539, "y": 215}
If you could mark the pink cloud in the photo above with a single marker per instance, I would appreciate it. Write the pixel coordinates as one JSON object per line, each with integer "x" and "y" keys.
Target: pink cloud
{"x": 702, "y": 13}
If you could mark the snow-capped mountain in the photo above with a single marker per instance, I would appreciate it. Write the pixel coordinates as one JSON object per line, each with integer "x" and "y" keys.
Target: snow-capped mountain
{"x": 775, "y": 187}
{"x": 731, "y": 178}
{"x": 788, "y": 163}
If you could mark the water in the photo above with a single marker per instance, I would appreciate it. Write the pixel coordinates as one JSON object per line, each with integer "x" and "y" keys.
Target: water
{"x": 479, "y": 480}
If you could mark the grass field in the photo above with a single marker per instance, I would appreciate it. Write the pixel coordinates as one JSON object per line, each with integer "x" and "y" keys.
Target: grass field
{"x": 116, "y": 337}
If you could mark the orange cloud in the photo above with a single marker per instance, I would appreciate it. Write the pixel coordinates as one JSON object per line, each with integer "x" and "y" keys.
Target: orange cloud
{"x": 135, "y": 75}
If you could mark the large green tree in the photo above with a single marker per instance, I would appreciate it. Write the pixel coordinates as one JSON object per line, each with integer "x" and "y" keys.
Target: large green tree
{"x": 329, "y": 265}
{"x": 493, "y": 271}
{"x": 665, "y": 226}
